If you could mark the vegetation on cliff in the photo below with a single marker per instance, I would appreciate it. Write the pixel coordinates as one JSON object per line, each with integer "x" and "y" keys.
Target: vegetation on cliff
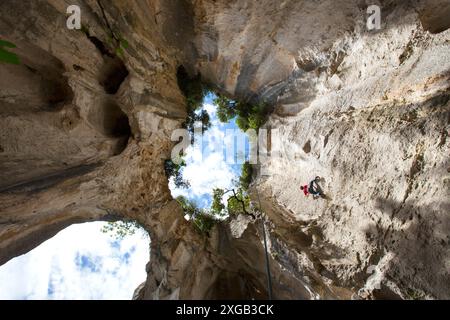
{"x": 226, "y": 202}
{"x": 248, "y": 116}
{"x": 121, "y": 229}
{"x": 195, "y": 91}
{"x": 174, "y": 170}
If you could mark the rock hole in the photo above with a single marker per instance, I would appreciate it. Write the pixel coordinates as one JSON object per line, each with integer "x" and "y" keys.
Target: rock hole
{"x": 77, "y": 68}
{"x": 189, "y": 84}
{"x": 97, "y": 43}
{"x": 109, "y": 119}
{"x": 57, "y": 93}
{"x": 70, "y": 117}
{"x": 307, "y": 65}
{"x": 115, "y": 122}
{"x": 113, "y": 73}
{"x": 35, "y": 85}
{"x": 307, "y": 147}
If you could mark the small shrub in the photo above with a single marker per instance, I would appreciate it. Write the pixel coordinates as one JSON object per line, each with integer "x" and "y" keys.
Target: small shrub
{"x": 194, "y": 91}
{"x": 121, "y": 229}
{"x": 414, "y": 294}
{"x": 174, "y": 170}
{"x": 217, "y": 207}
{"x": 203, "y": 221}
{"x": 246, "y": 175}
{"x": 257, "y": 116}
{"x": 239, "y": 203}
{"x": 189, "y": 207}
{"x": 248, "y": 116}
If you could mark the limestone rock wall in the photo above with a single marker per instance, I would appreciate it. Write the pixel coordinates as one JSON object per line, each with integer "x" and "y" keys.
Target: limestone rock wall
{"x": 376, "y": 130}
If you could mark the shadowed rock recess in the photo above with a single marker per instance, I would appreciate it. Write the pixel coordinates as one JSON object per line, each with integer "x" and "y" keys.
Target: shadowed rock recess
{"x": 85, "y": 129}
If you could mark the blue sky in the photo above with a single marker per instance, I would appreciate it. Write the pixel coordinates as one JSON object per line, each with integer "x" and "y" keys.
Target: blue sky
{"x": 212, "y": 170}
{"x": 80, "y": 262}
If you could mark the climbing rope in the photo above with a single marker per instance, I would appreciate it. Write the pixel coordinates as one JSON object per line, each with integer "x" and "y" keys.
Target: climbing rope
{"x": 269, "y": 277}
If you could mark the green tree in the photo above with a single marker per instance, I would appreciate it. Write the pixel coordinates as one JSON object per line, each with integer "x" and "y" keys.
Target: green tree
{"x": 238, "y": 202}
{"x": 174, "y": 170}
{"x": 121, "y": 229}
{"x": 201, "y": 116}
{"x": 246, "y": 175}
{"x": 202, "y": 220}
{"x": 217, "y": 206}
{"x": 194, "y": 91}
{"x": 226, "y": 108}
{"x": 189, "y": 207}
{"x": 248, "y": 116}
{"x": 242, "y": 123}
{"x": 257, "y": 116}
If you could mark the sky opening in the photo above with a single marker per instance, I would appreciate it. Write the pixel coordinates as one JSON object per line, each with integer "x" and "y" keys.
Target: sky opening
{"x": 211, "y": 170}
{"x": 80, "y": 262}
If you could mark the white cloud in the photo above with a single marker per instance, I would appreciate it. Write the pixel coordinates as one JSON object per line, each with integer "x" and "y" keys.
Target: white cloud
{"x": 211, "y": 109}
{"x": 80, "y": 262}
{"x": 210, "y": 173}
{"x": 208, "y": 169}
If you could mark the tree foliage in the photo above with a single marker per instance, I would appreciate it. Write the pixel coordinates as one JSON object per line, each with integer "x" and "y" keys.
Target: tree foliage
{"x": 217, "y": 206}
{"x": 246, "y": 175}
{"x": 174, "y": 170}
{"x": 238, "y": 200}
{"x": 202, "y": 220}
{"x": 189, "y": 207}
{"x": 121, "y": 229}
{"x": 248, "y": 116}
{"x": 195, "y": 91}
{"x": 197, "y": 116}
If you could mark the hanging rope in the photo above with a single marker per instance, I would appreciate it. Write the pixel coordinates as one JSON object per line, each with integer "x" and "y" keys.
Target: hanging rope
{"x": 269, "y": 277}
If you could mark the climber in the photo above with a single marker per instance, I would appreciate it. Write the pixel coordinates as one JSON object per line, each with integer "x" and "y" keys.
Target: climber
{"x": 313, "y": 188}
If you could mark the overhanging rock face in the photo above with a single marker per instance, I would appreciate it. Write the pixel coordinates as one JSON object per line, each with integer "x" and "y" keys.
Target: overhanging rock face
{"x": 85, "y": 130}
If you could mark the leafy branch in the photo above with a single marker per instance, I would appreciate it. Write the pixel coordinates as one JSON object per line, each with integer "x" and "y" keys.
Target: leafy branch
{"x": 6, "y": 56}
{"x": 247, "y": 115}
{"x": 122, "y": 229}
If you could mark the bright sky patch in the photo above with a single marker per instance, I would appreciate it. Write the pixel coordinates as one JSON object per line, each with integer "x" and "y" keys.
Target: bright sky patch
{"x": 80, "y": 262}
{"x": 211, "y": 171}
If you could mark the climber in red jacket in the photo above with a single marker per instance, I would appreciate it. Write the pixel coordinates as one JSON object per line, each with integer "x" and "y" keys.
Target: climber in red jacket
{"x": 305, "y": 189}
{"x": 313, "y": 188}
